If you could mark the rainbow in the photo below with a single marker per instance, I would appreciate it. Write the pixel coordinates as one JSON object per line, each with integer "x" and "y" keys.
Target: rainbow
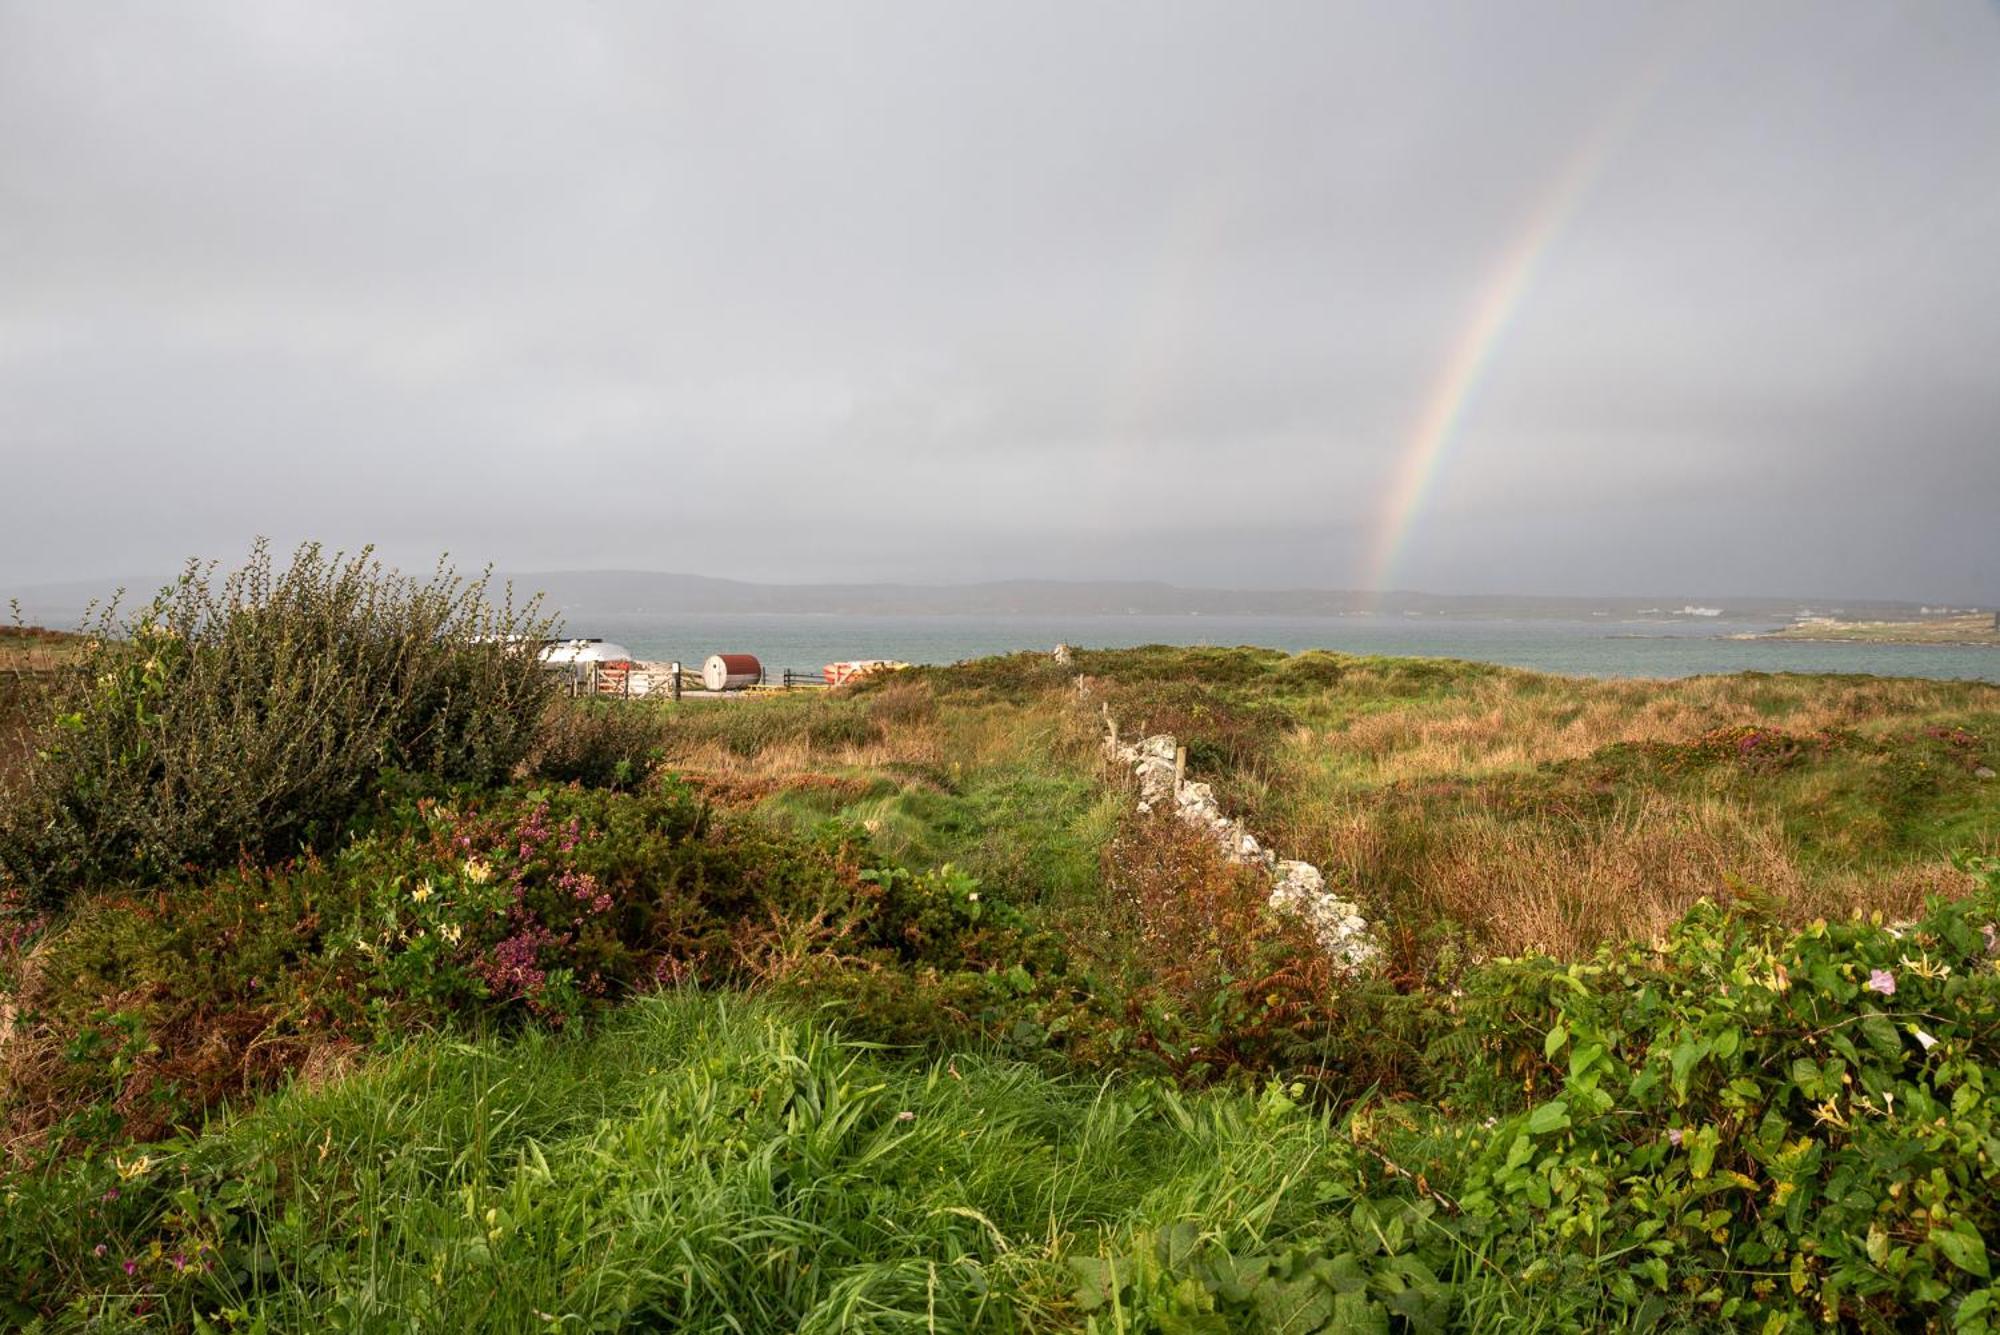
{"x": 1451, "y": 390}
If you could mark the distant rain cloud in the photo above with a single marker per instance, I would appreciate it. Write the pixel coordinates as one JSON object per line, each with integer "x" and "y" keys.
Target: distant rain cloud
{"x": 1463, "y": 297}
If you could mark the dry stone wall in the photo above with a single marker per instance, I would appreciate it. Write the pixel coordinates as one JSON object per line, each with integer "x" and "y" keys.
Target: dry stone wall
{"x": 1297, "y": 888}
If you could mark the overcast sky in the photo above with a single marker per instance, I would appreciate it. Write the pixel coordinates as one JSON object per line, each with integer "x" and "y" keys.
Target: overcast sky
{"x": 941, "y": 292}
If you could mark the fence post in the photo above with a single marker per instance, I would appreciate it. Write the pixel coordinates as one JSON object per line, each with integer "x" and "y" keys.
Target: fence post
{"x": 675, "y": 689}
{"x": 1180, "y": 767}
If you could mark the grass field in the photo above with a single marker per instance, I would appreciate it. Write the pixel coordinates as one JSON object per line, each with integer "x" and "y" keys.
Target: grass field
{"x": 882, "y": 1009}
{"x": 696, "y": 1164}
{"x": 1509, "y": 809}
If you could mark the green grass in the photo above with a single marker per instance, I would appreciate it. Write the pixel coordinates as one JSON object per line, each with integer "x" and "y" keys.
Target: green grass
{"x": 1030, "y": 834}
{"x": 701, "y": 1163}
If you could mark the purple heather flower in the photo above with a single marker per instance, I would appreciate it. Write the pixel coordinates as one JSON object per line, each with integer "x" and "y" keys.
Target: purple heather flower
{"x": 1674, "y": 1136}
{"x": 1881, "y": 980}
{"x": 99, "y": 1249}
{"x": 131, "y": 1266}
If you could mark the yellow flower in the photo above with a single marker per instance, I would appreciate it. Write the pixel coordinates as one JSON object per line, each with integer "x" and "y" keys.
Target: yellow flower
{"x": 478, "y": 872}
{"x": 422, "y": 892}
{"x": 138, "y": 1167}
{"x": 451, "y": 932}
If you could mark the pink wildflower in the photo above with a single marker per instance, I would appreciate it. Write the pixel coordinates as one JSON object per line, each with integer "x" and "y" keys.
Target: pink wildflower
{"x": 1881, "y": 980}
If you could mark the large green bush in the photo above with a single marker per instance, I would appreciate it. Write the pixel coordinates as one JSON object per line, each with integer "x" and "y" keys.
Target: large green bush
{"x": 251, "y": 717}
{"x": 1748, "y": 1130}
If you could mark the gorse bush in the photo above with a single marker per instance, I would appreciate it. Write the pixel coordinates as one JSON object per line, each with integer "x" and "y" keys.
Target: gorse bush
{"x": 252, "y": 718}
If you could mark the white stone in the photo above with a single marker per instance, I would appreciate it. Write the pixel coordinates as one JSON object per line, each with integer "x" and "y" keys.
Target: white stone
{"x": 1297, "y": 888}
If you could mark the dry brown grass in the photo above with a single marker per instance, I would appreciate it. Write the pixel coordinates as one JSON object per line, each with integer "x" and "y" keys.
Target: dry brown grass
{"x": 1431, "y": 799}
{"x": 1441, "y": 806}
{"x": 913, "y": 734}
{"x": 1566, "y": 888}
{"x": 1518, "y": 721}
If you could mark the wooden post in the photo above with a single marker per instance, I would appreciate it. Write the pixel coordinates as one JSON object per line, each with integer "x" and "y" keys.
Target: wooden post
{"x": 1180, "y": 766}
{"x": 675, "y": 689}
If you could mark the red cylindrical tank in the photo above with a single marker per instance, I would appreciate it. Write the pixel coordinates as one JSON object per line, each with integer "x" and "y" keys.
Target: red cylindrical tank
{"x": 730, "y": 672}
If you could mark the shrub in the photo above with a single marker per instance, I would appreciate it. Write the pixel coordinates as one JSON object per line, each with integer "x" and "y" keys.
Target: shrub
{"x": 142, "y": 1010}
{"x": 251, "y": 719}
{"x": 1214, "y": 982}
{"x": 139, "y": 1011}
{"x": 1772, "y": 1132}
{"x": 545, "y": 902}
{"x": 600, "y": 743}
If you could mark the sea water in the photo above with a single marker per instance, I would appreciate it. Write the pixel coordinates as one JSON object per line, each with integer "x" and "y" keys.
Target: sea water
{"x": 1598, "y": 647}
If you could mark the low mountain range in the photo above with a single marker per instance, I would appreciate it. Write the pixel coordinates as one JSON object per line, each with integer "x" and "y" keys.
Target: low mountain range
{"x": 591, "y": 592}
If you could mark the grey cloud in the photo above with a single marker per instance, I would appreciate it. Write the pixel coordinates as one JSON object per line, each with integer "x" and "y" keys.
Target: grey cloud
{"x": 957, "y": 292}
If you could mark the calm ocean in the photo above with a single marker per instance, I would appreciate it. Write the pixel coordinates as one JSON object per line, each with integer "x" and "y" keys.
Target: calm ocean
{"x": 1593, "y": 648}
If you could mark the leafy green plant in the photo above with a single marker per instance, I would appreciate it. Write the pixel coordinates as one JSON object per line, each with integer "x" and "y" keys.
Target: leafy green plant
{"x": 251, "y": 717}
{"x": 1769, "y": 1131}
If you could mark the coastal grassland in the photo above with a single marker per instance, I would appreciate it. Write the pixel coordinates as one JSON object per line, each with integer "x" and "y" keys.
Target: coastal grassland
{"x": 1472, "y": 807}
{"x": 882, "y": 1009}
{"x": 932, "y": 770}
{"x": 1523, "y": 811}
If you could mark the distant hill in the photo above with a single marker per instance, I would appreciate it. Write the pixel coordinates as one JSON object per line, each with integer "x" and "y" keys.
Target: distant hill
{"x": 601, "y": 591}
{"x": 578, "y": 593}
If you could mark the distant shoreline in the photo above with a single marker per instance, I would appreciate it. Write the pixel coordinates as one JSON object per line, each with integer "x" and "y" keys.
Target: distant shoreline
{"x": 1958, "y": 632}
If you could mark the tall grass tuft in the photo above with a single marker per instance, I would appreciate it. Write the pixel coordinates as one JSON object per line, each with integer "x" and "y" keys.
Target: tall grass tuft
{"x": 252, "y": 717}
{"x": 697, "y": 1164}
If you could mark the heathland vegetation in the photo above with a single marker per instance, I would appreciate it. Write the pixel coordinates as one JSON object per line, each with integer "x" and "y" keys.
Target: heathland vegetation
{"x": 349, "y": 975}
